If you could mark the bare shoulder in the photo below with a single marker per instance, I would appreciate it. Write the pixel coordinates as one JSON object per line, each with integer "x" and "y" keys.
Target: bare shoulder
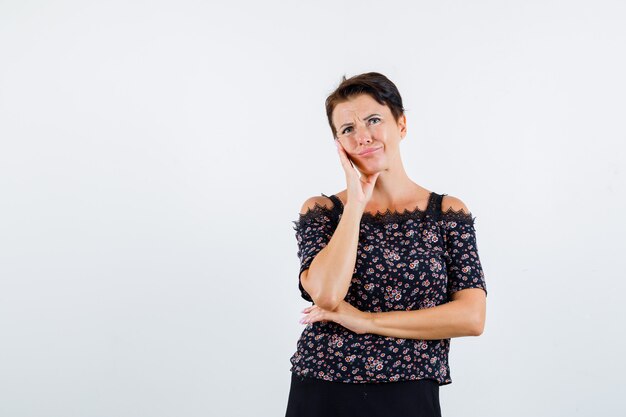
{"x": 312, "y": 202}
{"x": 451, "y": 203}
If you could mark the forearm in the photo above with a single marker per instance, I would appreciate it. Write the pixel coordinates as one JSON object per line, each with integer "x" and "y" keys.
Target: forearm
{"x": 330, "y": 273}
{"x": 452, "y": 319}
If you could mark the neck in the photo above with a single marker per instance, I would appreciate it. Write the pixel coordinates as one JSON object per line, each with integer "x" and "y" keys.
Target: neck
{"x": 394, "y": 187}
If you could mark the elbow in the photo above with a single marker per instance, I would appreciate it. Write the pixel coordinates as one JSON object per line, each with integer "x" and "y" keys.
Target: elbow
{"x": 322, "y": 297}
{"x": 476, "y": 331}
{"x": 476, "y": 314}
{"x": 477, "y": 326}
{"x": 326, "y": 302}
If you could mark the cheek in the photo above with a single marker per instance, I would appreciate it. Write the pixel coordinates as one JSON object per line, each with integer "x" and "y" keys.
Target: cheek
{"x": 381, "y": 132}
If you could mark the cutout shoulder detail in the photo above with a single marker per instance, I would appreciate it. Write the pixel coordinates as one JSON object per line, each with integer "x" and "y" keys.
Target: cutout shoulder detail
{"x": 459, "y": 215}
{"x": 331, "y": 212}
{"x": 318, "y": 210}
{"x": 327, "y": 204}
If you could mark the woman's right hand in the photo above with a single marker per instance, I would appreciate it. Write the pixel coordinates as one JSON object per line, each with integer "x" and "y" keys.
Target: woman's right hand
{"x": 359, "y": 188}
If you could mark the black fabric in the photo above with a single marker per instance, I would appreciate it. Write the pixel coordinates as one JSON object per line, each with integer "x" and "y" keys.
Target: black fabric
{"x": 336, "y": 210}
{"x": 310, "y": 397}
{"x": 437, "y": 200}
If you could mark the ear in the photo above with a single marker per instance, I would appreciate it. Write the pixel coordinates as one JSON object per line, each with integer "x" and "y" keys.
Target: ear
{"x": 402, "y": 126}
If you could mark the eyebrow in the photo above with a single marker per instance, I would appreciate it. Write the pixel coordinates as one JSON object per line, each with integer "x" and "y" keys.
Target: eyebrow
{"x": 367, "y": 117}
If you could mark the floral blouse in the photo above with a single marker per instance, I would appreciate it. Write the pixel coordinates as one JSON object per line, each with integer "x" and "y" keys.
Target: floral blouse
{"x": 406, "y": 260}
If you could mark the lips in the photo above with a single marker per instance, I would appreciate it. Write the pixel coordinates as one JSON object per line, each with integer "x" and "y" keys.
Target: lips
{"x": 368, "y": 151}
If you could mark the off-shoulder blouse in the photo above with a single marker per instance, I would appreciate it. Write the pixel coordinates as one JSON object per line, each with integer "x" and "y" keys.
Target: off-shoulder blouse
{"x": 407, "y": 260}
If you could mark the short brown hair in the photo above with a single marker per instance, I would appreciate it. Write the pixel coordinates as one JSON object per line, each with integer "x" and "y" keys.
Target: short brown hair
{"x": 374, "y": 84}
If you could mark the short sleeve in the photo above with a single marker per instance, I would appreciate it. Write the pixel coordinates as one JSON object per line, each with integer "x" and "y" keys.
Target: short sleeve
{"x": 462, "y": 260}
{"x": 313, "y": 232}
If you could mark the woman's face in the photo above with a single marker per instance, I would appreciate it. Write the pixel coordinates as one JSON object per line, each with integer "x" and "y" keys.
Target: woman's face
{"x": 364, "y": 125}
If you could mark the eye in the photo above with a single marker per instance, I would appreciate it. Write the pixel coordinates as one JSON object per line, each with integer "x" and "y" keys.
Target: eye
{"x": 343, "y": 132}
{"x": 375, "y": 118}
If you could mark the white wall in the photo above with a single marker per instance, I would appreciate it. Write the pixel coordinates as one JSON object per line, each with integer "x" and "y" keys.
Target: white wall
{"x": 153, "y": 156}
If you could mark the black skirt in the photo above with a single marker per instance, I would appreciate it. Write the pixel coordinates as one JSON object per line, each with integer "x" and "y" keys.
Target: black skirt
{"x": 309, "y": 397}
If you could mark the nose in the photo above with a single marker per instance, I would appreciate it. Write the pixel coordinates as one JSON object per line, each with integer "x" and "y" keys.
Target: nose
{"x": 362, "y": 134}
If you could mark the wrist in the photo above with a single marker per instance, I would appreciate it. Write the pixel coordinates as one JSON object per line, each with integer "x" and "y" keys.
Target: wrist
{"x": 370, "y": 325}
{"x": 353, "y": 210}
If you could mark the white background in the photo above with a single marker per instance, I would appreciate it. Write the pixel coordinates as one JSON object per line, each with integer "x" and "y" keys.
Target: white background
{"x": 153, "y": 156}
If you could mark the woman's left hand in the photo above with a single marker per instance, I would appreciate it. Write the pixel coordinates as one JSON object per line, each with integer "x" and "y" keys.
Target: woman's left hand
{"x": 345, "y": 314}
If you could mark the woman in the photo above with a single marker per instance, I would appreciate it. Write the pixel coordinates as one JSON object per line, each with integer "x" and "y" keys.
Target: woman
{"x": 392, "y": 270}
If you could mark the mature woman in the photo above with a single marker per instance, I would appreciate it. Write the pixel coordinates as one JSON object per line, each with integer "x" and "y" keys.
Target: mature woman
{"x": 392, "y": 270}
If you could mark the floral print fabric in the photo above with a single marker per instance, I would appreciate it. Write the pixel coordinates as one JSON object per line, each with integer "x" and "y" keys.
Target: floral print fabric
{"x": 406, "y": 260}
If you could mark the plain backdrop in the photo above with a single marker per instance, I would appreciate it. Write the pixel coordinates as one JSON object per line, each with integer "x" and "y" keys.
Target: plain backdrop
{"x": 155, "y": 153}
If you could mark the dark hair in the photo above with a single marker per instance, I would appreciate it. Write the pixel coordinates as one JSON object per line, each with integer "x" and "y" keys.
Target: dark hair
{"x": 374, "y": 84}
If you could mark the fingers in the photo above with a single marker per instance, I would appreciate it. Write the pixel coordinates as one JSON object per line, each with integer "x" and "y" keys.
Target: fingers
{"x": 307, "y": 319}
{"x": 314, "y": 314}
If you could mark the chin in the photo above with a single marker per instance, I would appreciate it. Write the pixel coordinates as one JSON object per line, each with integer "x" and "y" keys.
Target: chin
{"x": 371, "y": 170}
